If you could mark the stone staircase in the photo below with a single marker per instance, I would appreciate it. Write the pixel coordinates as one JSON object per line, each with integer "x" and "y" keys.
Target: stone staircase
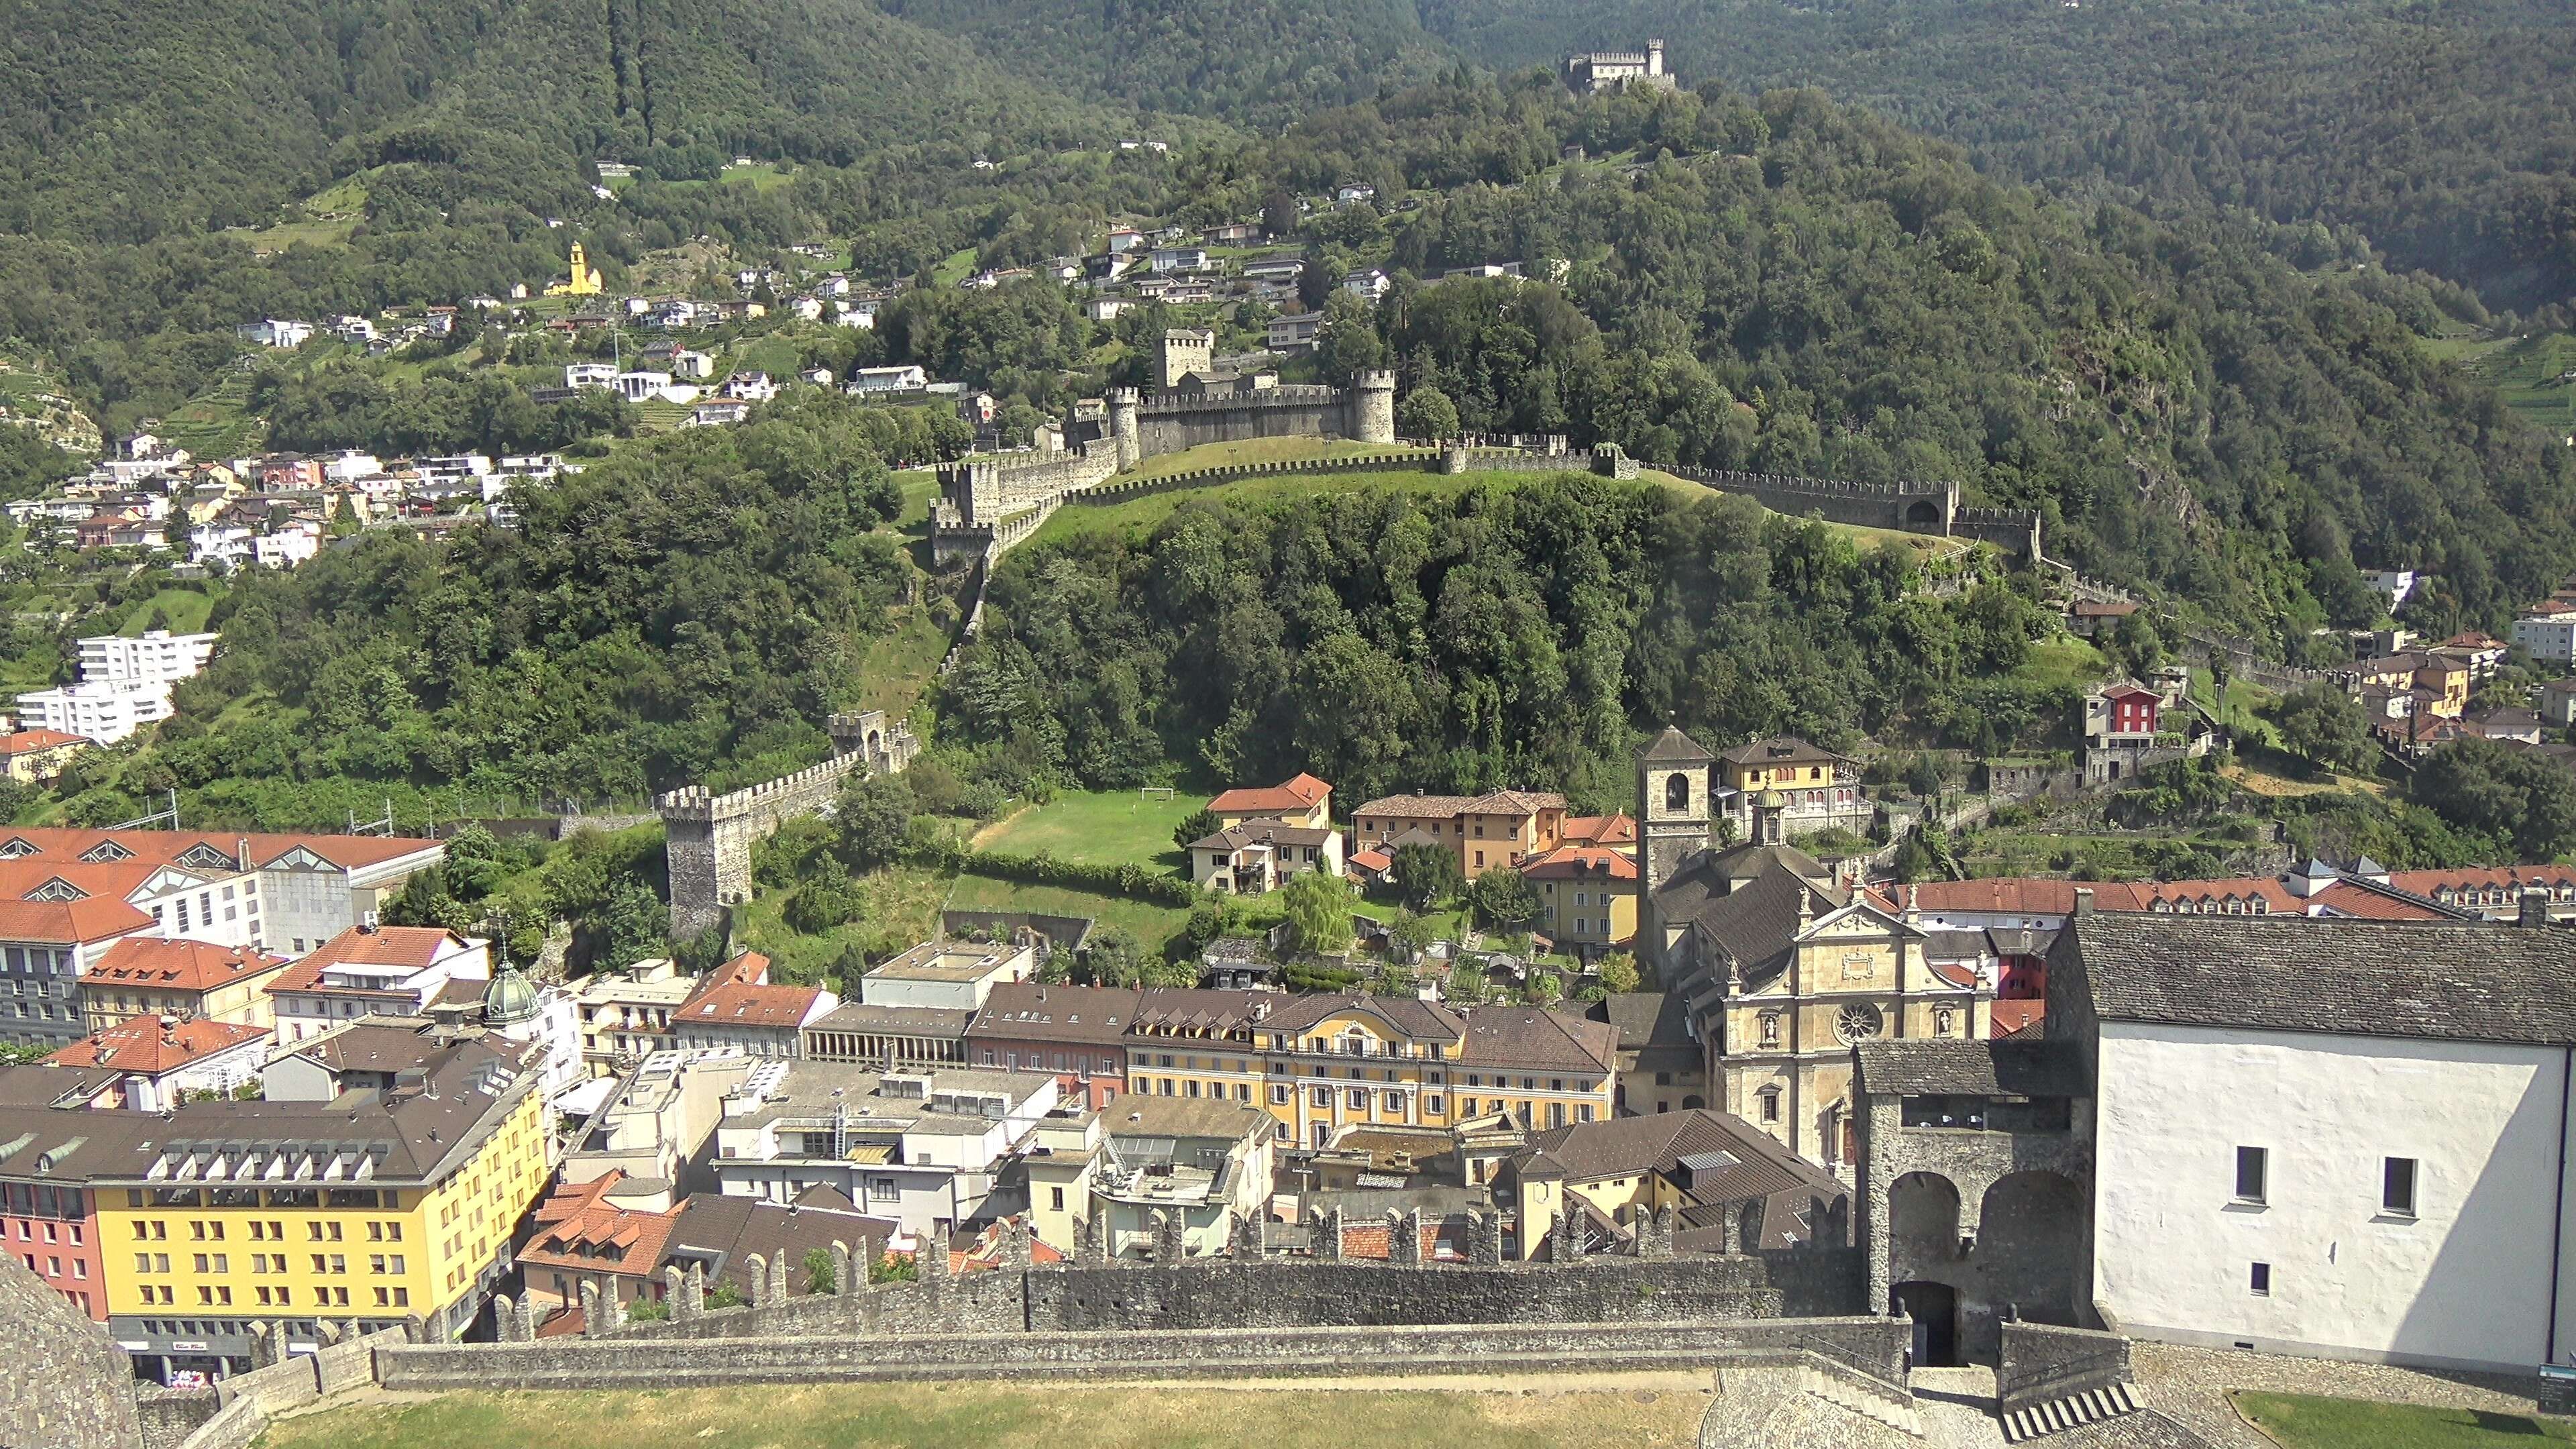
{"x": 2074, "y": 1411}
{"x": 1851, "y": 1389}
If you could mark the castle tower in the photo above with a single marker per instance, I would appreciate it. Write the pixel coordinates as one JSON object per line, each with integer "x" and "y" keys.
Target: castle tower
{"x": 1654, "y": 57}
{"x": 1672, "y": 823}
{"x": 1124, "y": 430}
{"x": 1185, "y": 351}
{"x": 1373, "y": 407}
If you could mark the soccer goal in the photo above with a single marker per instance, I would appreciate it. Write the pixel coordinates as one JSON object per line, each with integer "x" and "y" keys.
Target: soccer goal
{"x": 1154, "y": 792}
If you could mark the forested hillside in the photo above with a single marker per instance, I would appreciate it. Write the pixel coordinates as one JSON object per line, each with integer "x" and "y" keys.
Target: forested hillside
{"x": 161, "y": 117}
{"x": 1260, "y": 62}
{"x": 2443, "y": 134}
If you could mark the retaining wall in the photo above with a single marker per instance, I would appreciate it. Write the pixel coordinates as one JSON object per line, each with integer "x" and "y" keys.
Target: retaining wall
{"x": 2042, "y": 1363}
{"x": 1875, "y": 1346}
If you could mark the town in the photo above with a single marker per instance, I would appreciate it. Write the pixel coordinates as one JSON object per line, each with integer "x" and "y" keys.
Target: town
{"x": 1131, "y": 763}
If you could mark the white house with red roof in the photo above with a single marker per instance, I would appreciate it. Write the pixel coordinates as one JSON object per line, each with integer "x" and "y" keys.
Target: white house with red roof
{"x": 158, "y": 1059}
{"x": 45, "y": 948}
{"x": 282, "y": 893}
{"x": 738, "y": 1006}
{"x": 378, "y": 971}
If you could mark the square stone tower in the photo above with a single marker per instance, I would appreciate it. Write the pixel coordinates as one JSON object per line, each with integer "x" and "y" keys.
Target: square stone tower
{"x": 1185, "y": 350}
{"x": 1672, "y": 822}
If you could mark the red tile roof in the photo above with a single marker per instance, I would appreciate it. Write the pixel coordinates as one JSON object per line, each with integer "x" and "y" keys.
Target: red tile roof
{"x": 577, "y": 1228}
{"x": 1614, "y": 829}
{"x": 412, "y": 946}
{"x": 2361, "y": 903}
{"x": 1294, "y": 796}
{"x": 65, "y": 923}
{"x": 29, "y": 741}
{"x": 66, "y": 843}
{"x": 2015, "y": 1014}
{"x": 1584, "y": 862}
{"x": 178, "y": 965}
{"x": 750, "y": 1006}
{"x": 2008, "y": 894}
{"x": 141, "y": 1044}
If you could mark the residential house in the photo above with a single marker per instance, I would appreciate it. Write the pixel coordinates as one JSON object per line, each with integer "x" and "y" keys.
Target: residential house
{"x": 1503, "y": 827}
{"x": 1079, "y": 1033}
{"x": 48, "y": 1157}
{"x": 2558, "y": 703}
{"x": 1370, "y": 285}
{"x": 2547, "y": 633}
{"x": 730, "y": 1238}
{"x": 272, "y": 332}
{"x": 2121, "y": 722}
{"x": 1587, "y": 897}
{"x": 148, "y": 976}
{"x": 163, "y": 1061}
{"x": 2482, "y": 654}
{"x": 1260, "y": 855}
{"x": 600, "y": 1234}
{"x": 1783, "y": 787}
{"x": 868, "y": 380}
{"x": 626, "y": 1015}
{"x": 106, "y": 713}
{"x": 1201, "y": 1165}
{"x": 2097, "y": 618}
{"x": 753, "y": 387}
{"x": 36, "y": 756}
{"x": 1729, "y": 1185}
{"x": 1293, "y": 334}
{"x": 1660, "y": 1065}
{"x": 1301, "y": 800}
{"x": 45, "y": 947}
{"x": 657, "y": 1125}
{"x": 737, "y": 1005}
{"x": 378, "y": 971}
{"x": 2445, "y": 679}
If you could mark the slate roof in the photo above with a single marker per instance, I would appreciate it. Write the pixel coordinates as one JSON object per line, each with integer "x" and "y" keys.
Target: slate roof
{"x": 726, "y": 1232}
{"x": 1643, "y": 1018}
{"x": 1528, "y": 1038}
{"x": 1756, "y": 921}
{"x": 1782, "y": 750}
{"x": 1926, "y": 1066}
{"x": 1410, "y": 1015}
{"x": 1674, "y": 747}
{"x": 1028, "y": 1011}
{"x": 2361, "y": 978}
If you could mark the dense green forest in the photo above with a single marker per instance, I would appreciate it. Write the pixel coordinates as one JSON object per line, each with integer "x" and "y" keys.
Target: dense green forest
{"x": 2442, "y": 134}
{"x": 1390, "y": 640}
{"x": 1257, "y": 62}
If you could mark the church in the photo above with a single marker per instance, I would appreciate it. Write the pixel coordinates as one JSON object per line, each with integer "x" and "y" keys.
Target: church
{"x": 1777, "y": 964}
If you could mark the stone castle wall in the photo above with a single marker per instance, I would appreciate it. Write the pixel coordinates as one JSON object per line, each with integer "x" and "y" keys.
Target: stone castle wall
{"x": 708, "y": 837}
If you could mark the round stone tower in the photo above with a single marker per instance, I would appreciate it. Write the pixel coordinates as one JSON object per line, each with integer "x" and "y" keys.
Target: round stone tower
{"x": 1123, "y": 429}
{"x": 1373, "y": 407}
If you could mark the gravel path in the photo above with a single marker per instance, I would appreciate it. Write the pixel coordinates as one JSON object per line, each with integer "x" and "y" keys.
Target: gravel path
{"x": 2192, "y": 1385}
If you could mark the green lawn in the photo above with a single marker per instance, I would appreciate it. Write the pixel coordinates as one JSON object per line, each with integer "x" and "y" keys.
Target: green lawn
{"x": 957, "y": 268}
{"x": 1108, "y": 827}
{"x": 902, "y": 908}
{"x": 2526, "y": 371}
{"x": 2296, "y": 1421}
{"x": 1137, "y": 516}
{"x": 1151, "y": 925}
{"x": 920, "y": 489}
{"x": 2061, "y": 660}
{"x": 1254, "y": 450}
{"x": 986, "y": 1416}
{"x": 186, "y": 610}
{"x": 900, "y": 665}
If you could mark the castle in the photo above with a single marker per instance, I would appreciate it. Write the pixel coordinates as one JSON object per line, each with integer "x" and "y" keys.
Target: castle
{"x": 1618, "y": 70}
{"x": 710, "y": 835}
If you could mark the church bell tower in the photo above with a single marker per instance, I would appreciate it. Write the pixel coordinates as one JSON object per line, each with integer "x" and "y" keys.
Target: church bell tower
{"x": 1672, "y": 822}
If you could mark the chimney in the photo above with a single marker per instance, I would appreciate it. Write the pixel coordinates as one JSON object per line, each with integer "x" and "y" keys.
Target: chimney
{"x": 241, "y": 853}
{"x": 2535, "y": 909}
{"x": 2083, "y": 902}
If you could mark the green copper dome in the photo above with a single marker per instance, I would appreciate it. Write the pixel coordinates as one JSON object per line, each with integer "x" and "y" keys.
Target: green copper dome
{"x": 510, "y": 999}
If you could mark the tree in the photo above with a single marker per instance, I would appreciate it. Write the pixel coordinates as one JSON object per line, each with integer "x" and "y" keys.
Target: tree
{"x": 819, "y": 1277}
{"x": 1544, "y": 988}
{"x": 1412, "y": 932}
{"x": 1279, "y": 215}
{"x": 874, "y": 812}
{"x": 2136, "y": 645}
{"x": 1347, "y": 344}
{"x": 1619, "y": 971}
{"x": 1425, "y": 874}
{"x": 636, "y": 922}
{"x": 725, "y": 1295}
{"x": 2321, "y": 724}
{"x": 1197, "y": 826}
{"x": 1318, "y": 904}
{"x": 1112, "y": 958}
{"x": 2524, "y": 801}
{"x": 894, "y": 1268}
{"x": 821, "y": 904}
{"x": 1504, "y": 899}
{"x": 1426, "y": 412}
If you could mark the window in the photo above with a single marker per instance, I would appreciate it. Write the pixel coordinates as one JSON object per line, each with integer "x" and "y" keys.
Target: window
{"x": 1323, "y": 1097}
{"x": 2253, "y": 1165}
{"x": 2397, "y": 1186}
{"x": 1055, "y": 1197}
{"x": 1359, "y": 1099}
{"x": 1431, "y": 1104}
{"x": 1395, "y": 1102}
{"x": 1770, "y": 1104}
{"x": 2259, "y": 1281}
{"x": 1677, "y": 792}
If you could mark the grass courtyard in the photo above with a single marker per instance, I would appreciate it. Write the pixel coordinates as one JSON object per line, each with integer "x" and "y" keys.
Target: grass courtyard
{"x": 2296, "y": 1421}
{"x": 974, "y": 1416}
{"x": 1102, "y": 827}
{"x": 1151, "y": 925}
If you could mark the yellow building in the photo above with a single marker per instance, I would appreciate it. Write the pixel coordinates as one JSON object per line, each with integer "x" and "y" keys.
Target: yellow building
{"x": 585, "y": 278}
{"x": 1321, "y": 1063}
{"x": 33, "y": 757}
{"x": 191, "y": 980}
{"x": 1587, "y": 896}
{"x": 1503, "y": 827}
{"x": 251, "y": 1213}
{"x": 1725, "y": 1182}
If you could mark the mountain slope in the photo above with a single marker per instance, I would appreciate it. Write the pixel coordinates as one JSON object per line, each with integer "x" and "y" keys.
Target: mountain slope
{"x": 1259, "y": 61}
{"x": 2445, "y": 133}
{"x": 171, "y": 115}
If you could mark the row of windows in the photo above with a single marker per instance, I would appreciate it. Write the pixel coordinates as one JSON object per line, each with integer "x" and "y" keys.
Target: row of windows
{"x": 265, "y": 1263}
{"x": 2397, "y": 1180}
{"x": 389, "y": 1199}
{"x": 54, "y": 1267}
{"x": 281, "y": 1296}
{"x": 263, "y": 1230}
{"x": 27, "y": 1231}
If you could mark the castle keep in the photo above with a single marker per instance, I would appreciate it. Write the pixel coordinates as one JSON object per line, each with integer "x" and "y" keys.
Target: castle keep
{"x": 710, "y": 836}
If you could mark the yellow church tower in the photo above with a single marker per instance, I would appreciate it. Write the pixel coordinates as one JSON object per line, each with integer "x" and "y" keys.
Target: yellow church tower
{"x": 585, "y": 281}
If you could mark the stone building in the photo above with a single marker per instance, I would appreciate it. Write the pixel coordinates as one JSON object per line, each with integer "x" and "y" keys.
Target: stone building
{"x": 1619, "y": 70}
{"x": 1778, "y": 965}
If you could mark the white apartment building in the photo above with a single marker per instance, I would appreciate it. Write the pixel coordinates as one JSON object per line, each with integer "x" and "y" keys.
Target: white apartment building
{"x": 100, "y": 711}
{"x": 378, "y": 971}
{"x": 2332, "y": 1138}
{"x": 888, "y": 379}
{"x": 946, "y": 976}
{"x": 157, "y": 655}
{"x": 2547, "y": 634}
{"x": 922, "y": 1148}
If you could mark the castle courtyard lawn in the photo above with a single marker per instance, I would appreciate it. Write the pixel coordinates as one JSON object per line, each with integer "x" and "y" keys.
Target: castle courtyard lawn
{"x": 1150, "y": 924}
{"x": 975, "y": 1416}
{"x": 2296, "y": 1421}
{"x": 1102, "y": 827}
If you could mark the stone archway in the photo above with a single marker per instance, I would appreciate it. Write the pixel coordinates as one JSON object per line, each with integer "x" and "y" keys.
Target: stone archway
{"x": 1922, "y": 1225}
{"x": 1922, "y": 513}
{"x": 2031, "y": 1244}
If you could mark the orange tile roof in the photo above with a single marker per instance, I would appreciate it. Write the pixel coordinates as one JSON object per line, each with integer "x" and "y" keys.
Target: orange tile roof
{"x": 2027, "y": 897}
{"x": 1297, "y": 796}
{"x": 178, "y": 965}
{"x": 99, "y": 918}
{"x": 2012, "y": 1015}
{"x": 1613, "y": 829}
{"x": 413, "y": 946}
{"x": 26, "y": 742}
{"x": 1570, "y": 862}
{"x": 2346, "y": 899}
{"x": 67, "y": 843}
{"x": 751, "y": 1006}
{"x": 578, "y": 1228}
{"x": 141, "y": 1044}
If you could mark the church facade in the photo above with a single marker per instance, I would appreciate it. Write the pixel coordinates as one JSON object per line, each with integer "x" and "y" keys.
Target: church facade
{"x": 1778, "y": 964}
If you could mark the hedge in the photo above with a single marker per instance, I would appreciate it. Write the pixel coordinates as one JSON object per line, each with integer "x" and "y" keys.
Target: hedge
{"x": 1122, "y": 880}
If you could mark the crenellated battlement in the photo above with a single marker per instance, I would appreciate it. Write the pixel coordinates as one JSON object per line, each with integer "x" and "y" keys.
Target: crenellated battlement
{"x": 1291, "y": 395}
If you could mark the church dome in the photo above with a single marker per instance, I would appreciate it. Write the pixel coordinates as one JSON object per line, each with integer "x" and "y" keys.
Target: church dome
{"x": 510, "y": 999}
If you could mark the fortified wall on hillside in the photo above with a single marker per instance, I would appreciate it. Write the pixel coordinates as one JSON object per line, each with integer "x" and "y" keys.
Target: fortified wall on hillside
{"x": 710, "y": 836}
